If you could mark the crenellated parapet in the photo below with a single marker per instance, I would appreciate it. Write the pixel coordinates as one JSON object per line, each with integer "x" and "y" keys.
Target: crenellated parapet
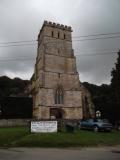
{"x": 57, "y": 25}
{"x": 61, "y": 31}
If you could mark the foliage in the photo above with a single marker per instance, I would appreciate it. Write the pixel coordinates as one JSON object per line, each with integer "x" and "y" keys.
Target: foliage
{"x": 115, "y": 81}
{"x": 16, "y": 107}
{"x": 10, "y": 87}
{"x": 14, "y": 102}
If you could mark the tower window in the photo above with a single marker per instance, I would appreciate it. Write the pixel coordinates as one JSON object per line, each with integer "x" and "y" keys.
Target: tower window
{"x": 52, "y": 34}
{"x": 59, "y": 96}
{"x": 59, "y": 75}
{"x": 58, "y": 34}
{"x": 64, "y": 36}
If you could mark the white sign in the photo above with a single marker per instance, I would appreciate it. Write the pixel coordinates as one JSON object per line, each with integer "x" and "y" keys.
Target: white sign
{"x": 43, "y": 126}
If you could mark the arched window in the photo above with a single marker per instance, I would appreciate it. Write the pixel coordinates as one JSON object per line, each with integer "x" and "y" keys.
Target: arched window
{"x": 59, "y": 96}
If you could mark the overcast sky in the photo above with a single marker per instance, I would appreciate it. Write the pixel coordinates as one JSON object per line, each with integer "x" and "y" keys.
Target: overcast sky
{"x": 21, "y": 20}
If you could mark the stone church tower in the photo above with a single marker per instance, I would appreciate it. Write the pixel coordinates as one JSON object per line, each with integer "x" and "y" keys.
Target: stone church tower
{"x": 56, "y": 89}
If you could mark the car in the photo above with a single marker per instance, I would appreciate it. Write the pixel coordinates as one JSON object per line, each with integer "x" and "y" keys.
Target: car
{"x": 96, "y": 125}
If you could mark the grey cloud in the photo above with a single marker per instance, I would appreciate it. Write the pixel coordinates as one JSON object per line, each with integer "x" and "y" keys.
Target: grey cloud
{"x": 22, "y": 20}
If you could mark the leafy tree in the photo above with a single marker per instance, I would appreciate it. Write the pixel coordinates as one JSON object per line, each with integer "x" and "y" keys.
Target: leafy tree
{"x": 115, "y": 81}
{"x": 10, "y": 87}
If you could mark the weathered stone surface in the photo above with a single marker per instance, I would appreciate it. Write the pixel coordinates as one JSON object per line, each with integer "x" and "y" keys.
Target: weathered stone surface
{"x": 56, "y": 86}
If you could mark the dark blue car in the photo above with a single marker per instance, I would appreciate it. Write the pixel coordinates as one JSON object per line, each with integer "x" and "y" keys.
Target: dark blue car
{"x": 96, "y": 125}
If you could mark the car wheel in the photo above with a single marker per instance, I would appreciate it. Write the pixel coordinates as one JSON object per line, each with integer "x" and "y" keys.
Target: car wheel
{"x": 95, "y": 129}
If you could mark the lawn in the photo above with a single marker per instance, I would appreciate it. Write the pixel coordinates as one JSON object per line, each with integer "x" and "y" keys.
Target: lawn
{"x": 21, "y": 137}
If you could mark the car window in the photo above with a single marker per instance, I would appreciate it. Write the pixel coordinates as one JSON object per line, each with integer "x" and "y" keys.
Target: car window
{"x": 90, "y": 120}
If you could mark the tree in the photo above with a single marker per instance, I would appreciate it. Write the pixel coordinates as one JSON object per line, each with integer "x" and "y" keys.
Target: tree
{"x": 115, "y": 88}
{"x": 12, "y": 87}
{"x": 115, "y": 81}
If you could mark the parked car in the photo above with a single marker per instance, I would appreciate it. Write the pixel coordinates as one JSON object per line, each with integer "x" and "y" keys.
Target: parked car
{"x": 96, "y": 125}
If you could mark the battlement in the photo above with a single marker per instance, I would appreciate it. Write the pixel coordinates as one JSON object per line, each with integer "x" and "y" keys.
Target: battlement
{"x": 57, "y": 25}
{"x": 56, "y": 33}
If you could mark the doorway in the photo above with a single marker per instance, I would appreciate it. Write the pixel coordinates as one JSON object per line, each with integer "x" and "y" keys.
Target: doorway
{"x": 56, "y": 113}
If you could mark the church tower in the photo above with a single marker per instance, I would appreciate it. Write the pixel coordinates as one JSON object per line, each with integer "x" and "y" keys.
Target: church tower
{"x": 56, "y": 88}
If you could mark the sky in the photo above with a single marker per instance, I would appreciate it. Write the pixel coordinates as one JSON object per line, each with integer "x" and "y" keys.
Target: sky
{"x": 21, "y": 20}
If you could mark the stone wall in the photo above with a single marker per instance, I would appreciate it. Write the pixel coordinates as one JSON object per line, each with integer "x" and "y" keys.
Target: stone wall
{"x": 43, "y": 112}
{"x": 68, "y": 81}
{"x": 14, "y": 122}
{"x": 46, "y": 97}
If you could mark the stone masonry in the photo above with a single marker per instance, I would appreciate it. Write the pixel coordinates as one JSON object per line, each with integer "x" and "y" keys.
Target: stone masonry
{"x": 55, "y": 86}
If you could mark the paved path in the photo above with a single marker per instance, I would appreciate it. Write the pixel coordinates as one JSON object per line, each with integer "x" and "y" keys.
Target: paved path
{"x": 104, "y": 153}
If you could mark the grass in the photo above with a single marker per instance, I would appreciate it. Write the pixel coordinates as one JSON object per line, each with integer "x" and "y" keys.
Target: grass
{"x": 21, "y": 137}
{"x": 9, "y": 135}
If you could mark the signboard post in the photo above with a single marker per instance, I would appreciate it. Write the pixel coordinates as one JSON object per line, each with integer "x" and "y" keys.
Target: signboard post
{"x": 43, "y": 126}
